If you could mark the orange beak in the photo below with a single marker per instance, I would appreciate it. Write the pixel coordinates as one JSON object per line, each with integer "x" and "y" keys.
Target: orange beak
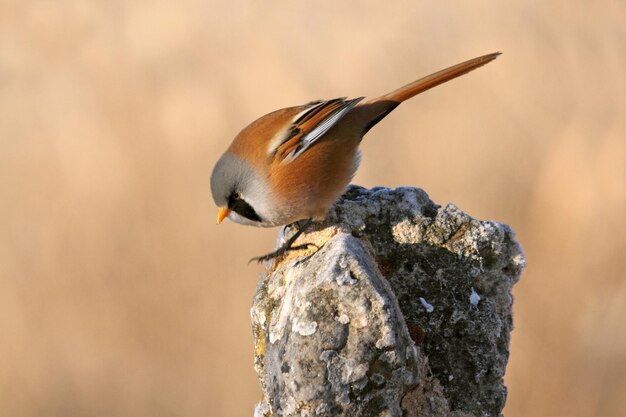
{"x": 222, "y": 213}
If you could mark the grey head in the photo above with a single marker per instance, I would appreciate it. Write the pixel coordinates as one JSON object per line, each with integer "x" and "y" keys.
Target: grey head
{"x": 236, "y": 185}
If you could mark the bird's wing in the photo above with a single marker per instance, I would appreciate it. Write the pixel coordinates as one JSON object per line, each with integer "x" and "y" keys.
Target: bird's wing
{"x": 310, "y": 125}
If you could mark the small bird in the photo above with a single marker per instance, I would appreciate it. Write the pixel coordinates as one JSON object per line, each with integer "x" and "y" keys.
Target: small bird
{"x": 291, "y": 165}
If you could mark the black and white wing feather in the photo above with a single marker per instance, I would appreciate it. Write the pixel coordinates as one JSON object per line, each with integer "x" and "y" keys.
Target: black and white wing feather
{"x": 311, "y": 124}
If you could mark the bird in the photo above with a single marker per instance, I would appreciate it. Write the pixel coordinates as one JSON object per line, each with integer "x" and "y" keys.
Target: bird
{"x": 289, "y": 166}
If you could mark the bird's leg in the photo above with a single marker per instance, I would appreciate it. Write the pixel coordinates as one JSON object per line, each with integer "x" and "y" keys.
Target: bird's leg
{"x": 286, "y": 247}
{"x": 298, "y": 224}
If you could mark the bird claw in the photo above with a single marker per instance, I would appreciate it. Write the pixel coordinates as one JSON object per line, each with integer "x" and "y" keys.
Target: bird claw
{"x": 286, "y": 247}
{"x": 281, "y": 251}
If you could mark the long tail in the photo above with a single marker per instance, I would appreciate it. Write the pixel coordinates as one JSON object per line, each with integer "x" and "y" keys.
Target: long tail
{"x": 373, "y": 111}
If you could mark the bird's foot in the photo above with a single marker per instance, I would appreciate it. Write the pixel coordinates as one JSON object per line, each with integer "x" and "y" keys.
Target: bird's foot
{"x": 287, "y": 246}
{"x": 281, "y": 251}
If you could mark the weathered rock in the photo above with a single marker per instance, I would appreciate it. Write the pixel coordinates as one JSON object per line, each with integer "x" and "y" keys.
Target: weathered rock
{"x": 404, "y": 310}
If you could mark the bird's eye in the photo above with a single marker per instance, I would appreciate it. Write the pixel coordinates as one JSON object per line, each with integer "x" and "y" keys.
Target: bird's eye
{"x": 237, "y": 196}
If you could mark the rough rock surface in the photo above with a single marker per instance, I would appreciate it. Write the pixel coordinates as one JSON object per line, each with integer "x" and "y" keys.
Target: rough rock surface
{"x": 405, "y": 310}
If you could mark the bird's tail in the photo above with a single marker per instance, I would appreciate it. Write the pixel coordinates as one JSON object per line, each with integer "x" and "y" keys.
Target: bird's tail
{"x": 433, "y": 80}
{"x": 375, "y": 110}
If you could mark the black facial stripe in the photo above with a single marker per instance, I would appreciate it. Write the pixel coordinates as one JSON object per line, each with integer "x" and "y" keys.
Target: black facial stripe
{"x": 242, "y": 208}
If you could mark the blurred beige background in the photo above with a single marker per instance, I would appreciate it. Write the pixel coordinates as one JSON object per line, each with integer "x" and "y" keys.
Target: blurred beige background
{"x": 119, "y": 296}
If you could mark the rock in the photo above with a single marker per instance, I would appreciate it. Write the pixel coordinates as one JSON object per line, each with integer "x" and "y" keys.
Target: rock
{"x": 404, "y": 310}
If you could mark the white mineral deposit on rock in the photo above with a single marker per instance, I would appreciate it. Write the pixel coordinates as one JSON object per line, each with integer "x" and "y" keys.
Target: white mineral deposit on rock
{"x": 474, "y": 298}
{"x": 343, "y": 319}
{"x": 428, "y": 307}
{"x": 304, "y": 328}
